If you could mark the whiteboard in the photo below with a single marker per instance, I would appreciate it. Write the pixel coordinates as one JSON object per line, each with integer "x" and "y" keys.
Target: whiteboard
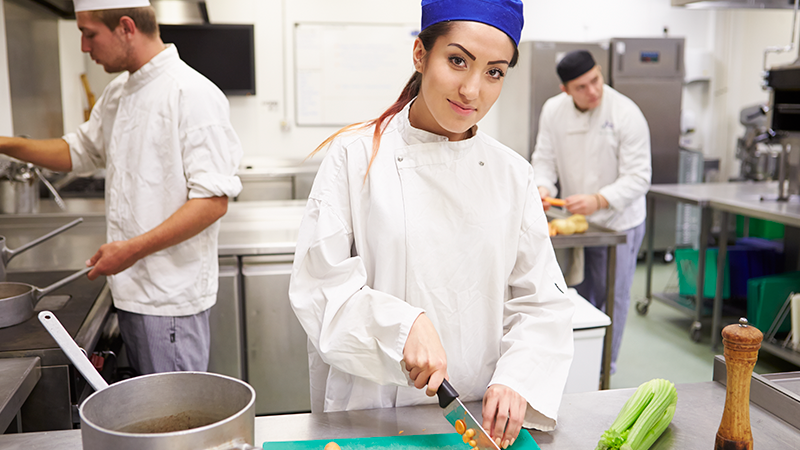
{"x": 348, "y": 73}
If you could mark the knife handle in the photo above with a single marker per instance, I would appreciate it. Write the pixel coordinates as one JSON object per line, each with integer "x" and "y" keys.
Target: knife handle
{"x": 446, "y": 394}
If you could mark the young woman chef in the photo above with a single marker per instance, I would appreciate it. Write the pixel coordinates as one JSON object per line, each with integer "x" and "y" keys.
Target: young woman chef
{"x": 424, "y": 251}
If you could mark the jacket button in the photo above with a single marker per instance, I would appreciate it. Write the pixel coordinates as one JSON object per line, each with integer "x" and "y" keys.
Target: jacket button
{"x": 400, "y": 159}
{"x": 480, "y": 163}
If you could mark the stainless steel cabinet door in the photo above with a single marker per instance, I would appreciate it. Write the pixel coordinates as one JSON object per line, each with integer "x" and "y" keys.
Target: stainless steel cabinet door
{"x": 277, "y": 358}
{"x": 225, "y": 322}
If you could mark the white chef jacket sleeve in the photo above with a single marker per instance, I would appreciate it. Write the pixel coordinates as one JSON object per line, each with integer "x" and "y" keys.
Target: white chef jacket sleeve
{"x": 544, "y": 157}
{"x": 634, "y": 166}
{"x": 355, "y": 328}
{"x": 86, "y": 146}
{"x": 211, "y": 149}
{"x": 537, "y": 346}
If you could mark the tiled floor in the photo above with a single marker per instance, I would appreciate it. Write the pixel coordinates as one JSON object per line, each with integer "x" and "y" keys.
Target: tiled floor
{"x": 657, "y": 345}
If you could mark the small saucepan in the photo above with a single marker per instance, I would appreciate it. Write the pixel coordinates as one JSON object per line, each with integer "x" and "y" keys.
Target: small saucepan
{"x": 17, "y": 300}
{"x": 6, "y": 254}
{"x": 169, "y": 411}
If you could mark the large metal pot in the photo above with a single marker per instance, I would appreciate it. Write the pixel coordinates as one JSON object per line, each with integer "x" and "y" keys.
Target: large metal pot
{"x": 19, "y": 188}
{"x": 6, "y": 253}
{"x": 17, "y": 300}
{"x": 169, "y": 411}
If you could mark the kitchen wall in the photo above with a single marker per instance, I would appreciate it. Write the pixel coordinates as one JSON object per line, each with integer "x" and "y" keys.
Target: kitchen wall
{"x": 734, "y": 39}
{"x": 6, "y": 124}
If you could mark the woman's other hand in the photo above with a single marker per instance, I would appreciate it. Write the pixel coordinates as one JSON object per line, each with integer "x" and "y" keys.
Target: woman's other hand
{"x": 503, "y": 413}
{"x": 424, "y": 356}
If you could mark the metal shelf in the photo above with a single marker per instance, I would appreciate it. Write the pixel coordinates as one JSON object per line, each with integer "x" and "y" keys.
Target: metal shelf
{"x": 781, "y": 352}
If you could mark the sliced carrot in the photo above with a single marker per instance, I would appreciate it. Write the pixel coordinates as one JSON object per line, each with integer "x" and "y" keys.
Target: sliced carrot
{"x": 461, "y": 427}
{"x": 555, "y": 201}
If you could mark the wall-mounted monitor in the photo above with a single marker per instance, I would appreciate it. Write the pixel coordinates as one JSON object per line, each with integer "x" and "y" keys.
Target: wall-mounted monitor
{"x": 225, "y": 54}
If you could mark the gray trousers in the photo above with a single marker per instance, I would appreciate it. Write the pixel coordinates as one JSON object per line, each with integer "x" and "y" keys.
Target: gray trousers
{"x": 593, "y": 287}
{"x": 157, "y": 344}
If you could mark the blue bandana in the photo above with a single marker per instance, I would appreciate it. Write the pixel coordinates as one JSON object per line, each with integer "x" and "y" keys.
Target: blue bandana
{"x": 505, "y": 15}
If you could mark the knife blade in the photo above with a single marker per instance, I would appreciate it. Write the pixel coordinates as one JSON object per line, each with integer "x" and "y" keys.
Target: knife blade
{"x": 453, "y": 410}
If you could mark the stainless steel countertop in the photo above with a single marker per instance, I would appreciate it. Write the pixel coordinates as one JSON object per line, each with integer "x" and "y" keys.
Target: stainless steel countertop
{"x": 582, "y": 419}
{"x": 249, "y": 228}
{"x": 260, "y": 228}
{"x": 18, "y": 376}
{"x": 750, "y": 199}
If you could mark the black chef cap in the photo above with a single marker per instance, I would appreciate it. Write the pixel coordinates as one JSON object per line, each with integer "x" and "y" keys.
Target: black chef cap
{"x": 574, "y": 64}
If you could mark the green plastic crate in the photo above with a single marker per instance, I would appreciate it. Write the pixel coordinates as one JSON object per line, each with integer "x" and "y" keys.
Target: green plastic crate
{"x": 686, "y": 260}
{"x": 766, "y": 296}
{"x": 760, "y": 228}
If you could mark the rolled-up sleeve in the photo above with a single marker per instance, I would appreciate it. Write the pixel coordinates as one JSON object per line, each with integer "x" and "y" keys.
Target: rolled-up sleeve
{"x": 211, "y": 158}
{"x": 537, "y": 346}
{"x": 211, "y": 148}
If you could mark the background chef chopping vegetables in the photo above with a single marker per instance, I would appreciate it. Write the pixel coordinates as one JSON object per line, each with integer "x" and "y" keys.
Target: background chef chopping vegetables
{"x": 595, "y": 142}
{"x": 424, "y": 252}
{"x": 162, "y": 132}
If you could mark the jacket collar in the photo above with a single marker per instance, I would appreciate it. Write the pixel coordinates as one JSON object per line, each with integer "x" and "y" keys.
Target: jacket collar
{"x": 153, "y": 68}
{"x": 412, "y": 135}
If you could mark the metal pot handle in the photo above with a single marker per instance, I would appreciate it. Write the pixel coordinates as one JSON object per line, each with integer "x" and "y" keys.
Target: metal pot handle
{"x": 39, "y": 293}
{"x": 56, "y": 197}
{"x": 71, "y": 349}
{"x": 8, "y": 254}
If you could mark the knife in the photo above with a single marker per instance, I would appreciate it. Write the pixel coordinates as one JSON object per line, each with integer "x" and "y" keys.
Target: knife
{"x": 454, "y": 410}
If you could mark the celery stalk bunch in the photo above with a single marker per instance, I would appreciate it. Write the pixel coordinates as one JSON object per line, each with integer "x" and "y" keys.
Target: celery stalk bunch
{"x": 643, "y": 417}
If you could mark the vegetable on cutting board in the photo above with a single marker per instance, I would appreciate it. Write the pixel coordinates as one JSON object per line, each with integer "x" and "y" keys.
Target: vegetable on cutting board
{"x": 643, "y": 417}
{"x": 332, "y": 446}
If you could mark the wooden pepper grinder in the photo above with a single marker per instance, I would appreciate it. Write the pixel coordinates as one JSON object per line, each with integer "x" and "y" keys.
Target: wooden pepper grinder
{"x": 741, "y": 342}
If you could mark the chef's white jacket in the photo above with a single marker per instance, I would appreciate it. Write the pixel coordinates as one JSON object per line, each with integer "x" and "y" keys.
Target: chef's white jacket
{"x": 605, "y": 150}
{"x": 164, "y": 136}
{"x": 452, "y": 229}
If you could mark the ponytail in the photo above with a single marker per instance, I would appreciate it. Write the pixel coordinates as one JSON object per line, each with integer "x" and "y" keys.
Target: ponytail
{"x": 410, "y": 91}
{"x": 428, "y": 36}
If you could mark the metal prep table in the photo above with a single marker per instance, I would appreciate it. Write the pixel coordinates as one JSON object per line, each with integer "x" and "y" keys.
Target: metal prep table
{"x": 597, "y": 236}
{"x": 582, "y": 419}
{"x": 758, "y": 200}
{"x": 18, "y": 376}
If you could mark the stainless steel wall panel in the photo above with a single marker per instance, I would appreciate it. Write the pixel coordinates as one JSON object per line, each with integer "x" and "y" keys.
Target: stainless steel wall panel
{"x": 34, "y": 72}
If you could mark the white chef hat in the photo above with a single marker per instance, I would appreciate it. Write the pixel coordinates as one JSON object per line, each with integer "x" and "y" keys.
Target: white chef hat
{"x": 94, "y": 5}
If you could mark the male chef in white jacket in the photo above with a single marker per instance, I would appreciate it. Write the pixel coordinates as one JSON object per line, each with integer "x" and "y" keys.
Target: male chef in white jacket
{"x": 162, "y": 132}
{"x": 595, "y": 143}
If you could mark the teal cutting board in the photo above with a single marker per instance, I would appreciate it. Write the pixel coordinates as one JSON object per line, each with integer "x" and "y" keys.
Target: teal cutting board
{"x": 448, "y": 441}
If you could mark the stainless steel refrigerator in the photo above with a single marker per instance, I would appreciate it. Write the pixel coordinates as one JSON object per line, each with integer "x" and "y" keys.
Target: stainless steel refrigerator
{"x": 649, "y": 71}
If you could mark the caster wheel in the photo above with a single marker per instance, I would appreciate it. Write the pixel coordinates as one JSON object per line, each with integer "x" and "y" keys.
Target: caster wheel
{"x": 669, "y": 257}
{"x": 695, "y": 332}
{"x": 641, "y": 308}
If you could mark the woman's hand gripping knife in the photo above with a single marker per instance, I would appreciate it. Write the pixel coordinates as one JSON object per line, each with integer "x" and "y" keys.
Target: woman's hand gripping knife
{"x": 426, "y": 361}
{"x": 424, "y": 356}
